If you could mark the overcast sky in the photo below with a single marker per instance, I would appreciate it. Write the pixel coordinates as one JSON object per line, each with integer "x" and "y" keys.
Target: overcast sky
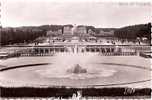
{"x": 27, "y": 13}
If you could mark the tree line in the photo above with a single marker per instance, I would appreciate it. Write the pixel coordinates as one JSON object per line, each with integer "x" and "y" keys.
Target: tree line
{"x": 134, "y": 32}
{"x": 30, "y": 33}
{"x": 19, "y": 35}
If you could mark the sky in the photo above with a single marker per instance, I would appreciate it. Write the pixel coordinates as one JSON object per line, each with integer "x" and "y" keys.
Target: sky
{"x": 99, "y": 14}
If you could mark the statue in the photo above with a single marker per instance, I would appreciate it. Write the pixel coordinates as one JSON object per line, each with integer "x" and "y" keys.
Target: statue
{"x": 77, "y": 69}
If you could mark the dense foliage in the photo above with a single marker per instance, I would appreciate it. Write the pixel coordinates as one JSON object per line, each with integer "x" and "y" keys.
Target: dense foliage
{"x": 132, "y": 32}
{"x": 19, "y": 35}
{"x": 68, "y": 92}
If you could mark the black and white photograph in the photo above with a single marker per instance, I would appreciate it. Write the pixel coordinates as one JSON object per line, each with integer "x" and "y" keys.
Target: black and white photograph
{"x": 64, "y": 50}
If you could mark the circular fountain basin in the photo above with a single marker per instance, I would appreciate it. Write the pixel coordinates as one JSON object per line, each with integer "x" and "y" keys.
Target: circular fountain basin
{"x": 121, "y": 71}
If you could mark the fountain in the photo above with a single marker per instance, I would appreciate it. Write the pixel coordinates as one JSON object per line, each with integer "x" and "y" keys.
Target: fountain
{"x": 77, "y": 69}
